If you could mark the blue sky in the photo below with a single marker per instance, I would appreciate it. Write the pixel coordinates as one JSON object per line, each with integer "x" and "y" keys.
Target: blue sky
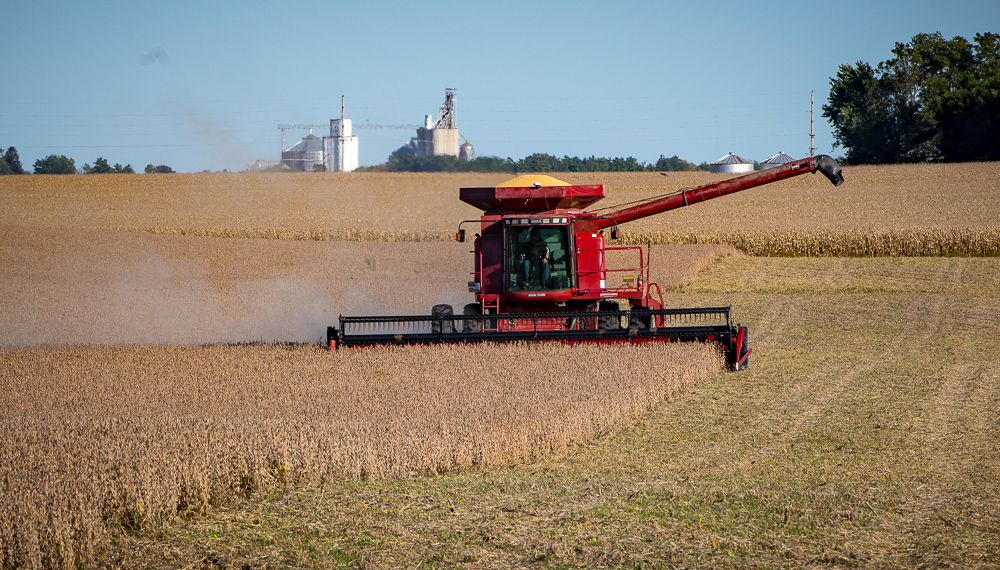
{"x": 202, "y": 85}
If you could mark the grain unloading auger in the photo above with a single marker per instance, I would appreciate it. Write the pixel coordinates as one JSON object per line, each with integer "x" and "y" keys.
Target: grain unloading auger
{"x": 542, "y": 271}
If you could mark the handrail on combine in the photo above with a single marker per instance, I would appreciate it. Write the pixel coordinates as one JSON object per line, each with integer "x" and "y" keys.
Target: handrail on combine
{"x": 637, "y": 287}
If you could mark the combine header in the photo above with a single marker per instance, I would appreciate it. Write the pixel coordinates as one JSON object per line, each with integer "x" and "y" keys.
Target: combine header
{"x": 542, "y": 271}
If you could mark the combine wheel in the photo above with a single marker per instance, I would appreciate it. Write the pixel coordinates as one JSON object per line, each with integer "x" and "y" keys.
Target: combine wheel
{"x": 640, "y": 318}
{"x": 472, "y": 325}
{"x": 446, "y": 324}
{"x": 610, "y": 321}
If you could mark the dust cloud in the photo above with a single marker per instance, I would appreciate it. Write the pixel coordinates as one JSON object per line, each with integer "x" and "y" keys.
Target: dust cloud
{"x": 63, "y": 287}
{"x": 100, "y": 287}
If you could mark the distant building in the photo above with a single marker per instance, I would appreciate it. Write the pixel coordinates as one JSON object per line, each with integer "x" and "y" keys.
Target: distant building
{"x": 340, "y": 148}
{"x": 441, "y": 136}
{"x": 335, "y": 153}
{"x": 731, "y": 163}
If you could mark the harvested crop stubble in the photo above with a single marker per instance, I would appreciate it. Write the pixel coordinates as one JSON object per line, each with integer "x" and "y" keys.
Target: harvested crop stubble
{"x": 99, "y": 439}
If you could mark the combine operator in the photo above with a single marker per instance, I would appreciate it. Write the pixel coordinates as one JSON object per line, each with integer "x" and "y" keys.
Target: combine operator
{"x": 534, "y": 260}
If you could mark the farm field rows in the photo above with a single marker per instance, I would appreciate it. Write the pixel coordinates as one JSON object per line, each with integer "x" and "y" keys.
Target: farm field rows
{"x": 865, "y": 433}
{"x": 881, "y": 210}
{"x": 103, "y": 439}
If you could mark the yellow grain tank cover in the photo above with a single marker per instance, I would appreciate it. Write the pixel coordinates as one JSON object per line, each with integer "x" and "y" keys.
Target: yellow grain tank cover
{"x": 529, "y": 180}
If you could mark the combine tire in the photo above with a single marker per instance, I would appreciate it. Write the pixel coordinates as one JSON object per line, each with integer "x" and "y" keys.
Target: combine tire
{"x": 610, "y": 321}
{"x": 640, "y": 318}
{"x": 445, "y": 324}
{"x": 472, "y": 325}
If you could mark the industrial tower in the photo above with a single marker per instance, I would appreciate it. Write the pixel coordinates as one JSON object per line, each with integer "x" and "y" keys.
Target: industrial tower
{"x": 442, "y": 137}
{"x": 340, "y": 148}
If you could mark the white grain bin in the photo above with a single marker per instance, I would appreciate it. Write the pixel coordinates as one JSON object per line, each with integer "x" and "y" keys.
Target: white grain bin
{"x": 776, "y": 160}
{"x": 305, "y": 154}
{"x": 731, "y": 164}
{"x": 466, "y": 152}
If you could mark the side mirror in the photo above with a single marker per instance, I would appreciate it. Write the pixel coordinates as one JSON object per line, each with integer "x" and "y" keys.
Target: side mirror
{"x": 460, "y": 236}
{"x": 614, "y": 232}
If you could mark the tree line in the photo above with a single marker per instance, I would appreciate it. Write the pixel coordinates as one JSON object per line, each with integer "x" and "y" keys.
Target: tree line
{"x": 935, "y": 100}
{"x": 10, "y": 163}
{"x": 538, "y": 162}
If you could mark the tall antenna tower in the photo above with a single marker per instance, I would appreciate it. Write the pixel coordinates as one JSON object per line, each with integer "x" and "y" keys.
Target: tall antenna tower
{"x": 446, "y": 120}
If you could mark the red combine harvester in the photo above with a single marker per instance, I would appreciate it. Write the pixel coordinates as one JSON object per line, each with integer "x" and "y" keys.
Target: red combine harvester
{"x": 542, "y": 271}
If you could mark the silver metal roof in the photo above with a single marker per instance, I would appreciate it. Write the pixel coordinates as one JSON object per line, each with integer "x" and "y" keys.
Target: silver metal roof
{"x": 780, "y": 158}
{"x": 309, "y": 143}
{"x": 732, "y": 158}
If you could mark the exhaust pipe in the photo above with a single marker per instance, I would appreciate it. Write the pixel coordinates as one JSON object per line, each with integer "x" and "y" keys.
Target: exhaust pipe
{"x": 829, "y": 168}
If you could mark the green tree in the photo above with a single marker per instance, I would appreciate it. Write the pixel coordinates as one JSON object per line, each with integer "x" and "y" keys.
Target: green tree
{"x": 673, "y": 164}
{"x": 960, "y": 92}
{"x": 539, "y": 162}
{"x": 101, "y": 166}
{"x": 935, "y": 99}
{"x": 404, "y": 161}
{"x": 13, "y": 161}
{"x": 489, "y": 164}
{"x": 573, "y": 164}
{"x": 53, "y": 164}
{"x": 407, "y": 162}
{"x": 595, "y": 164}
{"x": 628, "y": 164}
{"x": 862, "y": 121}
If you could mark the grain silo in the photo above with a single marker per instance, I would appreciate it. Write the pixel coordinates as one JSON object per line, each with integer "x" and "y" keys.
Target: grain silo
{"x": 304, "y": 155}
{"x": 466, "y": 152}
{"x": 424, "y": 141}
{"x": 442, "y": 137}
{"x": 341, "y": 147}
{"x": 731, "y": 164}
{"x": 776, "y": 160}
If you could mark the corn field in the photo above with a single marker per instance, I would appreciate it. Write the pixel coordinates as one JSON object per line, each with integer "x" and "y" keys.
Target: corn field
{"x": 103, "y": 440}
{"x": 870, "y": 242}
{"x": 936, "y": 209}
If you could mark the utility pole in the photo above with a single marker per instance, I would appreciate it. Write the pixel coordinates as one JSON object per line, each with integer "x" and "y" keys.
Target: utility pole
{"x": 812, "y": 133}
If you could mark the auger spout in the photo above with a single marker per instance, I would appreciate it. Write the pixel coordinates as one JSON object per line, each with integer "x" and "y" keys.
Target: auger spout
{"x": 822, "y": 163}
{"x": 829, "y": 168}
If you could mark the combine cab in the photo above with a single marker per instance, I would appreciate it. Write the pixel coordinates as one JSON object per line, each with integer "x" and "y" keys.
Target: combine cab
{"x": 542, "y": 271}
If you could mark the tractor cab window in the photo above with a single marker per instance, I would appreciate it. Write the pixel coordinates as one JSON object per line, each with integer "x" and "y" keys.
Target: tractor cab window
{"x": 538, "y": 258}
